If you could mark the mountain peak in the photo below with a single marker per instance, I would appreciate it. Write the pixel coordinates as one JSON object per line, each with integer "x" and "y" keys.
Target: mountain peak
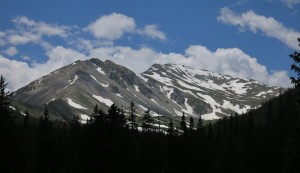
{"x": 170, "y": 89}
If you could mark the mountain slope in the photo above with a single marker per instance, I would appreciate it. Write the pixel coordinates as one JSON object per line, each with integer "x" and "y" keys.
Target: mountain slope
{"x": 210, "y": 94}
{"x": 165, "y": 89}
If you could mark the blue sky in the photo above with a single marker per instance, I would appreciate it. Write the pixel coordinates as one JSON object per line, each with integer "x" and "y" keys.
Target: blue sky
{"x": 247, "y": 39}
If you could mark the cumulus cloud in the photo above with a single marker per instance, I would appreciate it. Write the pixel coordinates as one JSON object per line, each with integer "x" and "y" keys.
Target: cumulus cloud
{"x": 11, "y": 51}
{"x": 230, "y": 61}
{"x": 29, "y": 30}
{"x": 26, "y": 58}
{"x": 18, "y": 73}
{"x": 112, "y": 26}
{"x": 291, "y": 3}
{"x": 268, "y": 25}
{"x": 153, "y": 32}
{"x": 115, "y": 25}
{"x": 2, "y": 35}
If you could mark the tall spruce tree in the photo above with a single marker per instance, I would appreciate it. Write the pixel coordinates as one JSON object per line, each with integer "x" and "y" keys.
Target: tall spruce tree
{"x": 296, "y": 67}
{"x": 183, "y": 123}
{"x": 147, "y": 123}
{"x": 171, "y": 130}
{"x": 4, "y": 98}
{"x": 192, "y": 125}
{"x": 132, "y": 118}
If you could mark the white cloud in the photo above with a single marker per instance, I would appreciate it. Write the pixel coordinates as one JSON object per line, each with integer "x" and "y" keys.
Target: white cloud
{"x": 26, "y": 58}
{"x": 137, "y": 60}
{"x": 291, "y": 3}
{"x": 18, "y": 73}
{"x": 268, "y": 25}
{"x": 31, "y": 31}
{"x": 57, "y": 58}
{"x": 153, "y": 32}
{"x": 112, "y": 26}
{"x": 2, "y": 34}
{"x": 11, "y": 51}
{"x": 115, "y": 25}
{"x": 231, "y": 61}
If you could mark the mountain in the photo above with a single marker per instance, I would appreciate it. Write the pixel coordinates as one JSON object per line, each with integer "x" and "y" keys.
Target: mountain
{"x": 167, "y": 90}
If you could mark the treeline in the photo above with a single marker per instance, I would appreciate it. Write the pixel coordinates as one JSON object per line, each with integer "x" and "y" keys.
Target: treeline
{"x": 262, "y": 140}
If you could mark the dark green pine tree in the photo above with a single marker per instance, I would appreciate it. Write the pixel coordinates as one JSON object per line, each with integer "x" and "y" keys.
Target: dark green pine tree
{"x": 171, "y": 129}
{"x": 96, "y": 109}
{"x": 183, "y": 123}
{"x": 200, "y": 127}
{"x": 147, "y": 123}
{"x": 192, "y": 124}
{"x": 113, "y": 116}
{"x": 4, "y": 99}
{"x": 7, "y": 131}
{"x": 132, "y": 119}
{"x": 122, "y": 117}
{"x": 296, "y": 67}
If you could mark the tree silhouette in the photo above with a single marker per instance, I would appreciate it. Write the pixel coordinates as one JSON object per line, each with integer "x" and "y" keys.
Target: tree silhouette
{"x": 132, "y": 118}
{"x": 296, "y": 67}
{"x": 4, "y": 97}
{"x": 171, "y": 128}
{"x": 147, "y": 123}
{"x": 183, "y": 123}
{"x": 192, "y": 125}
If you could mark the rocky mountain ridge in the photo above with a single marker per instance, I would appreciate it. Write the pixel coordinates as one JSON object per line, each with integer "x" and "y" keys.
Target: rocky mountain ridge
{"x": 167, "y": 90}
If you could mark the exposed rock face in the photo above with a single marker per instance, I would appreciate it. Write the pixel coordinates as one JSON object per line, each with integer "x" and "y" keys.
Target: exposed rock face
{"x": 168, "y": 89}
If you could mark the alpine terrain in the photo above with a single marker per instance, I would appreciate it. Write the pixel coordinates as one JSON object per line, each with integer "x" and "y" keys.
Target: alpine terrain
{"x": 167, "y": 90}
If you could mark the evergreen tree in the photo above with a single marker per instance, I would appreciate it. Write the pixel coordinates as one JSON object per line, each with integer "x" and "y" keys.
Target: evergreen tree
{"x": 199, "y": 123}
{"x": 200, "y": 126}
{"x": 132, "y": 119}
{"x": 112, "y": 116}
{"x": 296, "y": 67}
{"x": 4, "y": 98}
{"x": 183, "y": 123}
{"x": 46, "y": 114}
{"x": 192, "y": 125}
{"x": 122, "y": 118}
{"x": 147, "y": 123}
{"x": 96, "y": 109}
{"x": 171, "y": 130}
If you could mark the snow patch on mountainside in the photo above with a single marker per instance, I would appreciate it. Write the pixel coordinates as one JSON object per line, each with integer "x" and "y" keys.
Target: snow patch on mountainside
{"x": 71, "y": 82}
{"x": 75, "y": 105}
{"x": 228, "y": 105}
{"x": 100, "y": 70}
{"x": 75, "y": 79}
{"x": 103, "y": 100}
{"x": 143, "y": 78}
{"x": 119, "y": 95}
{"x": 189, "y": 109}
{"x": 136, "y": 88}
{"x": 161, "y": 79}
{"x": 238, "y": 87}
{"x": 143, "y": 107}
{"x": 102, "y": 84}
{"x": 188, "y": 86}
